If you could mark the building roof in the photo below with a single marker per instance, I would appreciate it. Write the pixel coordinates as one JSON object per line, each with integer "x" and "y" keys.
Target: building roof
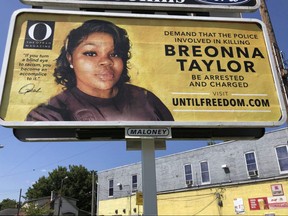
{"x": 9, "y": 211}
{"x": 191, "y": 150}
{"x": 170, "y": 169}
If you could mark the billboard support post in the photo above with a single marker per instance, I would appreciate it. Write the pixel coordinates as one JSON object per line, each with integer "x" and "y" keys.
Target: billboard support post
{"x": 149, "y": 177}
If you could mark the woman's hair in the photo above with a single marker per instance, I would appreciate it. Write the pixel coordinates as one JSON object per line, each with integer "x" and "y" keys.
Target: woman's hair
{"x": 65, "y": 76}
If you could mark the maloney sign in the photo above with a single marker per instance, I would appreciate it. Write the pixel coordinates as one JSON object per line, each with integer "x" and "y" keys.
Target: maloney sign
{"x": 179, "y": 5}
{"x": 59, "y": 70}
{"x": 148, "y": 132}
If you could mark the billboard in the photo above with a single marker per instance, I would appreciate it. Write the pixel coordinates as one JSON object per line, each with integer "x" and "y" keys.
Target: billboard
{"x": 77, "y": 69}
{"x": 167, "y": 5}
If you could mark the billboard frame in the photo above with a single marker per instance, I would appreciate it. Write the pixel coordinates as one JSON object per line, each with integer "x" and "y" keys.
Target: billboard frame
{"x": 97, "y": 134}
{"x": 123, "y": 124}
{"x": 116, "y": 5}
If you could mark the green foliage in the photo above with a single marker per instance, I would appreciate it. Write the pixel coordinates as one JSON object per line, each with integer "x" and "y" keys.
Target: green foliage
{"x": 34, "y": 210}
{"x": 211, "y": 142}
{"x": 8, "y": 203}
{"x": 77, "y": 185}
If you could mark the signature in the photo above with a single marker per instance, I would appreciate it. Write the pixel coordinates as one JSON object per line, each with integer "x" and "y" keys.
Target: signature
{"x": 29, "y": 88}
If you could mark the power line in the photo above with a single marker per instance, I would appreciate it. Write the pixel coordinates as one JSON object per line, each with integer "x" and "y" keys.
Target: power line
{"x": 48, "y": 164}
{"x": 205, "y": 207}
{"x": 28, "y": 157}
{"x": 197, "y": 196}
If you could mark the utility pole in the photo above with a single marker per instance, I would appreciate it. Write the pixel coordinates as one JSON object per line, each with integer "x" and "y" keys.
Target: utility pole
{"x": 60, "y": 198}
{"x": 276, "y": 51}
{"x": 19, "y": 203}
{"x": 93, "y": 195}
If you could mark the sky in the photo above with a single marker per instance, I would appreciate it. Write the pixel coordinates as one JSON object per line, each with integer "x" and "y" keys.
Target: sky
{"x": 23, "y": 163}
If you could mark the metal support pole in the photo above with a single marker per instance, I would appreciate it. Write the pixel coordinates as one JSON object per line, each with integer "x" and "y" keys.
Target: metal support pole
{"x": 60, "y": 198}
{"x": 98, "y": 189}
{"x": 93, "y": 195}
{"x": 276, "y": 51}
{"x": 149, "y": 177}
{"x": 19, "y": 203}
{"x": 59, "y": 206}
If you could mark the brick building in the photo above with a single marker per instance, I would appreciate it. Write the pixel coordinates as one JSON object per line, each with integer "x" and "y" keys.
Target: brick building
{"x": 235, "y": 177}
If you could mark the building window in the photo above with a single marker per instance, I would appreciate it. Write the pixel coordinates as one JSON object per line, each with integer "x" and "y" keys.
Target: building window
{"x": 134, "y": 183}
{"x": 251, "y": 164}
{"x": 188, "y": 174}
{"x": 111, "y": 188}
{"x": 205, "y": 177}
{"x": 282, "y": 155}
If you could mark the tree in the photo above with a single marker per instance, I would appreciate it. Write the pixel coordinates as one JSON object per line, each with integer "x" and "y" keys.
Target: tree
{"x": 211, "y": 142}
{"x": 34, "y": 210}
{"x": 8, "y": 203}
{"x": 77, "y": 185}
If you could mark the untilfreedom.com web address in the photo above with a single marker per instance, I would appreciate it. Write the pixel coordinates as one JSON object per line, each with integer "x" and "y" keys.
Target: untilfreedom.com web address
{"x": 182, "y": 102}
{"x": 221, "y": 102}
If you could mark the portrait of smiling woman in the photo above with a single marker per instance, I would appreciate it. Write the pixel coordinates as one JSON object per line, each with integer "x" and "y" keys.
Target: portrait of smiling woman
{"x": 93, "y": 69}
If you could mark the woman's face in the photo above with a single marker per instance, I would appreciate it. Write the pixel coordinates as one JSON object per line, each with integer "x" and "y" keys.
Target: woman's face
{"x": 97, "y": 67}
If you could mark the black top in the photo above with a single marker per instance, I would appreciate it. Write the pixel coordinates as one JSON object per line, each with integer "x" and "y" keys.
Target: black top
{"x": 132, "y": 103}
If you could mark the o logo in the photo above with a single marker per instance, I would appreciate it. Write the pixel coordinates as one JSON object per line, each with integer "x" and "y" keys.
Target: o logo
{"x": 39, "y": 35}
{"x": 40, "y": 31}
